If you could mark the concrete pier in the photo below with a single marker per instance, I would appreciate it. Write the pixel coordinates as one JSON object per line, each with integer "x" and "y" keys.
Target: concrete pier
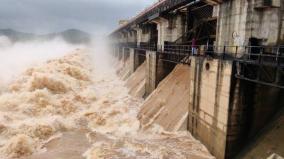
{"x": 151, "y": 71}
{"x": 209, "y": 102}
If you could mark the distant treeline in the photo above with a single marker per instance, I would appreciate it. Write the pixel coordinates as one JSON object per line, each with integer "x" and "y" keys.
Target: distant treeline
{"x": 72, "y": 36}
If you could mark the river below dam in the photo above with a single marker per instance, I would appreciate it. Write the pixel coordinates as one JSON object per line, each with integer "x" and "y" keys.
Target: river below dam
{"x": 77, "y": 107}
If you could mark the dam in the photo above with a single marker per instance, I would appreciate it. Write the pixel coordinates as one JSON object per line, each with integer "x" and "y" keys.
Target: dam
{"x": 214, "y": 68}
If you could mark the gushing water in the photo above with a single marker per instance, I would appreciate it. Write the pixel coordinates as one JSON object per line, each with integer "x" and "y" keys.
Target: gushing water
{"x": 80, "y": 92}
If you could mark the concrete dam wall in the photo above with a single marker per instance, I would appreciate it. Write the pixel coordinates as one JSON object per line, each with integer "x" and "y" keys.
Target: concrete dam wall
{"x": 213, "y": 68}
{"x": 204, "y": 98}
{"x": 191, "y": 97}
{"x": 168, "y": 104}
{"x": 209, "y": 103}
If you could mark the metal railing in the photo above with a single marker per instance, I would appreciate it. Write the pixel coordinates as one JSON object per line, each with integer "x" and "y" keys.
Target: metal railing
{"x": 139, "y": 46}
{"x": 267, "y": 55}
{"x": 253, "y": 63}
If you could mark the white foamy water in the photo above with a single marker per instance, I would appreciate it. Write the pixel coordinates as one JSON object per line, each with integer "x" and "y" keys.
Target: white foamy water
{"x": 17, "y": 57}
{"x": 81, "y": 93}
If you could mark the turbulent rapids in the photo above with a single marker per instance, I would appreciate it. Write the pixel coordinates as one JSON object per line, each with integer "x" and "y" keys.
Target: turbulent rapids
{"x": 76, "y": 107}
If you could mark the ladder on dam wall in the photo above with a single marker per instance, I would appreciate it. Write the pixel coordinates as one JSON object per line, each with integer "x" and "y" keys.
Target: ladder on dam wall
{"x": 259, "y": 64}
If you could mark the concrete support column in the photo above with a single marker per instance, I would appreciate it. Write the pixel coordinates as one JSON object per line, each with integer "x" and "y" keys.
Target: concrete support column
{"x": 120, "y": 53}
{"x": 132, "y": 60}
{"x": 169, "y": 32}
{"x": 210, "y": 87}
{"x": 141, "y": 37}
{"x": 124, "y": 54}
{"x": 238, "y": 22}
{"x": 163, "y": 31}
{"x": 125, "y": 37}
{"x": 178, "y": 29}
{"x": 151, "y": 65}
{"x": 116, "y": 52}
{"x": 196, "y": 65}
{"x": 121, "y": 37}
{"x": 136, "y": 59}
{"x": 132, "y": 36}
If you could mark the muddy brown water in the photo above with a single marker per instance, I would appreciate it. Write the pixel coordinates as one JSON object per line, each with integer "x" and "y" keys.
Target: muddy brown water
{"x": 70, "y": 145}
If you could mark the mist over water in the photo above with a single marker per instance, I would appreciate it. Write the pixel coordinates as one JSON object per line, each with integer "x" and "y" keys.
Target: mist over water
{"x": 17, "y": 57}
{"x": 101, "y": 53}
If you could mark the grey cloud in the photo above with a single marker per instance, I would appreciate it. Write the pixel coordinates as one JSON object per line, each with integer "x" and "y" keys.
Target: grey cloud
{"x": 56, "y": 15}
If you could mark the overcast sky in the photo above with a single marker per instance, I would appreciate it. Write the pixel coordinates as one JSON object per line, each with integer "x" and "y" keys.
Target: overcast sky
{"x": 42, "y": 16}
